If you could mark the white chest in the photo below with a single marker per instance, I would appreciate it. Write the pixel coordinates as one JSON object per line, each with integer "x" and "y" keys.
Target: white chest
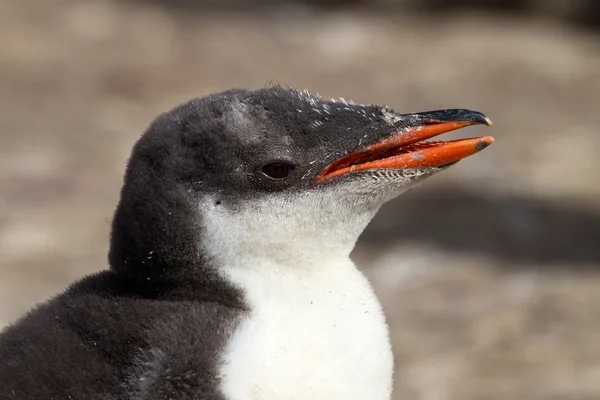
{"x": 310, "y": 335}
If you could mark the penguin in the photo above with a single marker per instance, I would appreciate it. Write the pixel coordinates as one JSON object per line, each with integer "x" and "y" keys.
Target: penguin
{"x": 230, "y": 276}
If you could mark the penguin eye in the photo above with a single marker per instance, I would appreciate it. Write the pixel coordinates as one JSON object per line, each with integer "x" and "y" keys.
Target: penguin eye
{"x": 278, "y": 170}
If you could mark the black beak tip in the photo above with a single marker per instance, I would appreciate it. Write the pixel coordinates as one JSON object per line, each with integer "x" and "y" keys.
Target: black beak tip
{"x": 455, "y": 115}
{"x": 472, "y": 116}
{"x": 482, "y": 145}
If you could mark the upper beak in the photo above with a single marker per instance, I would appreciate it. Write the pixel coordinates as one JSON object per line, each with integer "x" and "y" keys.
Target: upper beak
{"x": 405, "y": 147}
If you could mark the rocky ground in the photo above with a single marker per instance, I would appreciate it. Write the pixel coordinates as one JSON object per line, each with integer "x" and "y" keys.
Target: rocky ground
{"x": 489, "y": 272}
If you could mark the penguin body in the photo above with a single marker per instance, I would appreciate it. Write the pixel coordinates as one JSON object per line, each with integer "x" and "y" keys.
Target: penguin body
{"x": 230, "y": 276}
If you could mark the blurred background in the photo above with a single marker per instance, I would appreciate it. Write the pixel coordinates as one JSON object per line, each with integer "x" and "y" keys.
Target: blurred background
{"x": 489, "y": 273}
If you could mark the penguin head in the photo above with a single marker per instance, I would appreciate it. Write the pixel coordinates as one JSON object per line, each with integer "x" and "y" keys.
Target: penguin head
{"x": 271, "y": 174}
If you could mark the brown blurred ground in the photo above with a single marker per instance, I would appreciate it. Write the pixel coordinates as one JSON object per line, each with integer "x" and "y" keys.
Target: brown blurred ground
{"x": 489, "y": 272}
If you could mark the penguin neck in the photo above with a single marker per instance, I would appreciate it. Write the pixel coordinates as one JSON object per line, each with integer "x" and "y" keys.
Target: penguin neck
{"x": 300, "y": 232}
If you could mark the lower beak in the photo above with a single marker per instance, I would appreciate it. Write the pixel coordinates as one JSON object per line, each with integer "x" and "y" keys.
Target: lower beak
{"x": 407, "y": 149}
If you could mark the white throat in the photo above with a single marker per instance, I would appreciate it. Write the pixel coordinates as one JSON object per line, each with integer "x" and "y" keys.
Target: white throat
{"x": 296, "y": 232}
{"x": 315, "y": 329}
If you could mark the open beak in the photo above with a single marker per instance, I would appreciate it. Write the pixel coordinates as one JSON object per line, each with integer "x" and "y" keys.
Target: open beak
{"x": 407, "y": 147}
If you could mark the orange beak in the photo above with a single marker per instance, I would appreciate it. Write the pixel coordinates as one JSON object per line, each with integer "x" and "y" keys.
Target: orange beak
{"x": 406, "y": 149}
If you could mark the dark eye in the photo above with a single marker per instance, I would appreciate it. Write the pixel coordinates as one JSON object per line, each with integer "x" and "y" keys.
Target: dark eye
{"x": 278, "y": 170}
